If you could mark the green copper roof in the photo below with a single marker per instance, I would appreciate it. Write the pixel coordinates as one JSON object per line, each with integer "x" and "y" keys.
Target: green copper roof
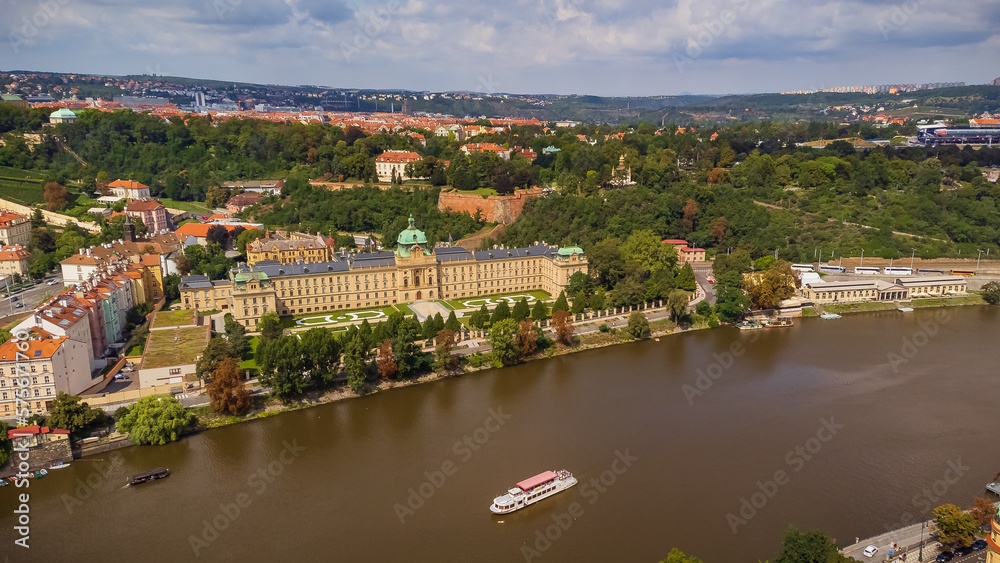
{"x": 571, "y": 250}
{"x": 411, "y": 235}
{"x": 63, "y": 112}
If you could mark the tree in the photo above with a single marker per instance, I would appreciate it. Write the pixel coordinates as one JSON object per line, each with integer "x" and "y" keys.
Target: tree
{"x": 561, "y": 304}
{"x": 579, "y": 303}
{"x": 646, "y": 249}
{"x": 479, "y": 319}
{"x": 386, "y": 361}
{"x": 500, "y": 313}
{"x": 564, "y": 328}
{"x": 217, "y": 351}
{"x": 321, "y": 356}
{"x": 769, "y": 288}
{"x": 237, "y": 335}
{"x": 404, "y": 348}
{"x": 678, "y": 556}
{"x": 718, "y": 230}
{"x": 809, "y": 547}
{"x": 991, "y": 293}
{"x": 452, "y": 323}
{"x": 598, "y": 300}
{"x": 955, "y": 527}
{"x": 56, "y": 196}
{"x": 356, "y": 352}
{"x": 527, "y": 337}
{"x": 690, "y": 211}
{"x": 156, "y": 420}
{"x": 226, "y": 392}
{"x": 281, "y": 366}
{"x": 217, "y": 234}
{"x": 69, "y": 413}
{"x": 443, "y": 359}
{"x": 521, "y": 310}
{"x": 638, "y": 325}
{"x": 730, "y": 301}
{"x": 539, "y": 312}
{"x": 246, "y": 237}
{"x": 171, "y": 287}
{"x": 269, "y": 327}
{"x": 685, "y": 279}
{"x": 982, "y": 511}
{"x": 677, "y": 303}
{"x": 503, "y": 340}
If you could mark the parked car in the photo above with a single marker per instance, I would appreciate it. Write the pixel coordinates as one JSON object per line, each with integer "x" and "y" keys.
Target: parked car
{"x": 52, "y": 282}
{"x": 870, "y": 551}
{"x": 19, "y": 305}
{"x": 13, "y": 298}
{"x": 978, "y": 545}
{"x": 963, "y": 551}
{"x": 121, "y": 376}
{"x": 945, "y": 557}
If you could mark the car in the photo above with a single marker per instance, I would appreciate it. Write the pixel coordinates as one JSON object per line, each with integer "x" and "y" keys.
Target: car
{"x": 14, "y": 298}
{"x": 945, "y": 557}
{"x": 121, "y": 376}
{"x": 962, "y": 551}
{"x": 52, "y": 282}
{"x": 711, "y": 279}
{"x": 870, "y": 551}
{"x": 978, "y": 545}
{"x": 19, "y": 305}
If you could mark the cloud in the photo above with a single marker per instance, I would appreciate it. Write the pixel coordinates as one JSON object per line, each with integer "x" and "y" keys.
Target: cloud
{"x": 528, "y": 45}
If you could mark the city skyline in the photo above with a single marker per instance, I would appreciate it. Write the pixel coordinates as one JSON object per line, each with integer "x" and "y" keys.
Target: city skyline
{"x": 634, "y": 48}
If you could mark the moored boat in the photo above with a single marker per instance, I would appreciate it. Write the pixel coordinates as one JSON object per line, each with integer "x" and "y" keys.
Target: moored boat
{"x": 749, "y": 324}
{"x": 993, "y": 488}
{"x": 532, "y": 490}
{"x": 40, "y": 473}
{"x": 906, "y": 309}
{"x": 59, "y": 466}
{"x": 829, "y": 316}
{"x": 778, "y": 322}
{"x": 153, "y": 475}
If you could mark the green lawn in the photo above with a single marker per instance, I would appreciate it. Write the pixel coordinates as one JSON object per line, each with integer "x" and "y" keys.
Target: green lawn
{"x": 405, "y": 309}
{"x": 339, "y": 317}
{"x": 175, "y": 347}
{"x": 252, "y": 362}
{"x": 485, "y": 192}
{"x": 164, "y": 319}
{"x": 476, "y": 302}
{"x": 25, "y": 192}
{"x": 8, "y": 172}
{"x": 973, "y": 299}
{"x": 859, "y": 307}
{"x": 194, "y": 206}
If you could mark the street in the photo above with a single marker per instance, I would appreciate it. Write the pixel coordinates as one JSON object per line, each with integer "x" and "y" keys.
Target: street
{"x": 30, "y": 297}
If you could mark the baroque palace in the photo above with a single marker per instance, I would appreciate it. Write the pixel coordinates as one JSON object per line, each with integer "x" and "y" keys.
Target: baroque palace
{"x": 412, "y": 273}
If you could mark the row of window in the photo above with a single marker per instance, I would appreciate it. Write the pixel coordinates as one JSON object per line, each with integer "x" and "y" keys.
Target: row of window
{"x": 4, "y": 396}
{"x": 32, "y": 368}
{"x": 34, "y": 379}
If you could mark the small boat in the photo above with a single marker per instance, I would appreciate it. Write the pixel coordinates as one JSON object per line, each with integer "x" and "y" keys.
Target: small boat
{"x": 3, "y": 483}
{"x": 906, "y": 309}
{"x": 40, "y": 473}
{"x": 778, "y": 322}
{"x": 830, "y": 316}
{"x": 749, "y": 324}
{"x": 993, "y": 488}
{"x": 153, "y": 475}
{"x": 59, "y": 466}
{"x": 532, "y": 490}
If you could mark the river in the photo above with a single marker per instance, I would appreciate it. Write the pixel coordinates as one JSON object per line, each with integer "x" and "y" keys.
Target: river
{"x": 834, "y": 425}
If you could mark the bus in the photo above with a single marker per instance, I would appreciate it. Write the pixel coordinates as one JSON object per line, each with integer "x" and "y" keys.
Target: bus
{"x": 929, "y": 271}
{"x": 803, "y": 268}
{"x": 832, "y": 269}
{"x": 894, "y": 271}
{"x": 963, "y": 272}
{"x": 867, "y": 271}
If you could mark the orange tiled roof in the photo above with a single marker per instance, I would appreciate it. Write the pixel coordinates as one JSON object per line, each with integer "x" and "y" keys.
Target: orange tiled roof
{"x": 127, "y": 184}
{"x": 44, "y": 346}
{"x": 143, "y": 205}
{"x": 15, "y": 252}
{"x": 399, "y": 156}
{"x": 200, "y": 230}
{"x": 9, "y": 219}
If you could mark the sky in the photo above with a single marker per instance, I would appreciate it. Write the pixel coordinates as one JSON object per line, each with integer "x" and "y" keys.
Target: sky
{"x": 597, "y": 47}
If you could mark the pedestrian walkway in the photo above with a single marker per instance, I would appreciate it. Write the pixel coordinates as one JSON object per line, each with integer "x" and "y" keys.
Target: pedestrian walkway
{"x": 907, "y": 540}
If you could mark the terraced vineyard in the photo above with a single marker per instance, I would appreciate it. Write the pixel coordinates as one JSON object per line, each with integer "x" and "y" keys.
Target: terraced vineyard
{"x": 23, "y": 191}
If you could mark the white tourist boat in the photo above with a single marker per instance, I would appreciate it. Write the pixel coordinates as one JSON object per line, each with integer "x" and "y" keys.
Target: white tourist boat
{"x": 994, "y": 488}
{"x": 532, "y": 490}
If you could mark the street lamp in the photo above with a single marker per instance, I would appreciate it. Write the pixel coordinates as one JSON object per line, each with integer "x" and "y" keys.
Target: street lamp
{"x": 912, "y": 253}
{"x": 920, "y": 557}
{"x": 862, "y": 256}
{"x": 978, "y": 259}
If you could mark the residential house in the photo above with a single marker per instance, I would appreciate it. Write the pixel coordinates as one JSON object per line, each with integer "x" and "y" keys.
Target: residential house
{"x": 242, "y": 201}
{"x": 391, "y": 162}
{"x": 473, "y": 148}
{"x": 14, "y": 229}
{"x": 50, "y": 363}
{"x": 198, "y": 293}
{"x": 129, "y": 189}
{"x": 686, "y": 253}
{"x": 14, "y": 260}
{"x": 197, "y": 233}
{"x": 153, "y": 214}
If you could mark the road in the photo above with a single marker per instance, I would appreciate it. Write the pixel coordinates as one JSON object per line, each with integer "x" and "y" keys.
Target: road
{"x": 31, "y": 297}
{"x": 908, "y": 542}
{"x": 702, "y": 271}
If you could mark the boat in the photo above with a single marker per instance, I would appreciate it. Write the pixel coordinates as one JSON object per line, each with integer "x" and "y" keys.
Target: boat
{"x": 3, "y": 483}
{"x": 59, "y": 466}
{"x": 749, "y": 324}
{"x": 532, "y": 490}
{"x": 906, "y": 309}
{"x": 40, "y": 473}
{"x": 153, "y": 475}
{"x": 830, "y": 316}
{"x": 993, "y": 488}
{"x": 778, "y": 322}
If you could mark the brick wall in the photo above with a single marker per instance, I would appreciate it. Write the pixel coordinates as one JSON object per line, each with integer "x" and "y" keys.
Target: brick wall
{"x": 503, "y": 209}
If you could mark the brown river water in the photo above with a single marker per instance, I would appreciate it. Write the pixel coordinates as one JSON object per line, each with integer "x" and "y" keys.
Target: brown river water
{"x": 712, "y": 441}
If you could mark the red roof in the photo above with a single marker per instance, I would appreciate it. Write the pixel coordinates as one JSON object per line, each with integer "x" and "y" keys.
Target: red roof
{"x": 127, "y": 184}
{"x": 532, "y": 482}
{"x": 29, "y": 430}
{"x": 675, "y": 241}
{"x": 200, "y": 230}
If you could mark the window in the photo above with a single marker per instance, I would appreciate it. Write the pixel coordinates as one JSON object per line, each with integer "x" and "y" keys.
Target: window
{"x": 175, "y": 371}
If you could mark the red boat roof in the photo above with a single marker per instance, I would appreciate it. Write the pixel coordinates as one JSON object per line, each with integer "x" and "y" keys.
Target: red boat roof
{"x": 533, "y": 482}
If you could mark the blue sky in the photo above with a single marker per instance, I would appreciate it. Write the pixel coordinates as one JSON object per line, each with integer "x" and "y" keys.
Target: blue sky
{"x": 602, "y": 47}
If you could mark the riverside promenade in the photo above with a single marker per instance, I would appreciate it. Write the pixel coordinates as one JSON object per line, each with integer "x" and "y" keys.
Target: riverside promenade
{"x": 907, "y": 540}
